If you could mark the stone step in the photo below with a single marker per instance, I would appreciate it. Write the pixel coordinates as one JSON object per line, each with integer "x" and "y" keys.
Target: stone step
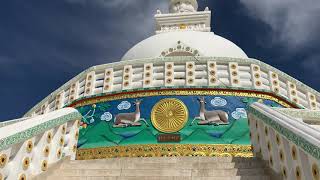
{"x": 157, "y": 178}
{"x": 160, "y": 172}
{"x": 180, "y": 165}
{"x": 262, "y": 177}
{"x": 228, "y": 172}
{"x": 169, "y": 160}
{"x": 165, "y": 168}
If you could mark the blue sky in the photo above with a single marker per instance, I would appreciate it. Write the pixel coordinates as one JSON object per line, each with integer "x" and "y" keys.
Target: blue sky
{"x": 45, "y": 43}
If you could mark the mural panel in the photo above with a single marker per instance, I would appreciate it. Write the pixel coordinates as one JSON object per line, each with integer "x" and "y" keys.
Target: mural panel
{"x": 195, "y": 119}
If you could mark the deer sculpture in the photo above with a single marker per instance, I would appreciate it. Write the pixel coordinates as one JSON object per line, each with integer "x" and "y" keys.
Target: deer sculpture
{"x": 214, "y": 117}
{"x": 130, "y": 119}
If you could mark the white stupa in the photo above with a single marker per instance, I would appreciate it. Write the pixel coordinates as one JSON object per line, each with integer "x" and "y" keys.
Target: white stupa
{"x": 186, "y": 25}
{"x": 182, "y": 92}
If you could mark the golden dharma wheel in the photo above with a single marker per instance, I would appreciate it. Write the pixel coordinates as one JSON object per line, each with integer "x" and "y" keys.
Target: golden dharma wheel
{"x": 169, "y": 115}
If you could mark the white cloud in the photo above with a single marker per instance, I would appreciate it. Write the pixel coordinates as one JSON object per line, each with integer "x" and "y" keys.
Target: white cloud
{"x": 218, "y": 101}
{"x": 295, "y": 23}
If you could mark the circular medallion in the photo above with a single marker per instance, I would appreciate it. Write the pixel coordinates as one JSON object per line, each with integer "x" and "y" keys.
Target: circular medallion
{"x": 22, "y": 177}
{"x": 3, "y": 160}
{"x": 169, "y": 115}
{"x": 46, "y": 151}
{"x": 44, "y": 165}
{"x": 25, "y": 163}
{"x": 29, "y": 146}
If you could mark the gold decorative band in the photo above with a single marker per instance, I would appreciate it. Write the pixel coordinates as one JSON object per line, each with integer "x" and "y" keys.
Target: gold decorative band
{"x": 183, "y": 92}
{"x": 162, "y": 150}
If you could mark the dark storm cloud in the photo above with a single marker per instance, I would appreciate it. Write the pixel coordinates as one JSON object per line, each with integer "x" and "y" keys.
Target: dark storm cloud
{"x": 294, "y": 23}
{"x": 295, "y": 26}
{"x": 45, "y": 43}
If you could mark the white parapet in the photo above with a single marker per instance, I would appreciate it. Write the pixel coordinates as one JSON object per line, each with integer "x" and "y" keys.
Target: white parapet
{"x": 28, "y": 147}
{"x": 284, "y": 138}
{"x": 206, "y": 72}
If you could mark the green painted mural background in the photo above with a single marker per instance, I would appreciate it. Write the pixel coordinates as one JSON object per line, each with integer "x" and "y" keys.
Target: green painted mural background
{"x": 97, "y": 126}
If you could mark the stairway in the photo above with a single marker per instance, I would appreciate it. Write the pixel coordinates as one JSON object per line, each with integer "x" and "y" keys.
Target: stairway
{"x": 166, "y": 168}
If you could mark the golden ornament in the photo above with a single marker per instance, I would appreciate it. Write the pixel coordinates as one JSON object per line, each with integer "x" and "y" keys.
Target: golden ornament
{"x": 169, "y": 115}
{"x": 3, "y": 160}
{"x": 44, "y": 165}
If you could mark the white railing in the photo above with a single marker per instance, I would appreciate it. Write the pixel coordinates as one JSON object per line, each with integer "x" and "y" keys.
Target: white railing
{"x": 291, "y": 146}
{"x": 29, "y": 147}
{"x": 179, "y": 71}
{"x": 6, "y": 123}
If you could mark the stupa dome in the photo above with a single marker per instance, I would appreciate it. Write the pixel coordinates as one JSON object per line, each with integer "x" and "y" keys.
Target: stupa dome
{"x": 182, "y": 43}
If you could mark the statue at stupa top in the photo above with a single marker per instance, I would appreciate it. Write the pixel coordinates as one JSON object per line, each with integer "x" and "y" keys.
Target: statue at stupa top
{"x": 182, "y": 6}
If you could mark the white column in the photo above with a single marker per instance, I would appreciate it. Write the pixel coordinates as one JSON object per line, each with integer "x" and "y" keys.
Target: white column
{"x": 108, "y": 80}
{"x": 169, "y": 74}
{"x": 59, "y": 100}
{"x": 274, "y": 82}
{"x": 148, "y": 75}
{"x": 90, "y": 84}
{"x": 256, "y": 76}
{"x": 212, "y": 73}
{"x": 190, "y": 73}
{"x": 312, "y": 101}
{"x": 5, "y": 169}
{"x": 72, "y": 140}
{"x": 40, "y": 159}
{"x": 127, "y": 77}
{"x": 234, "y": 76}
{"x": 292, "y": 92}
{"x": 74, "y": 91}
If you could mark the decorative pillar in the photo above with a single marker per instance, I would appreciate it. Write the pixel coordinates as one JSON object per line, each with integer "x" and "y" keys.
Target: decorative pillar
{"x": 148, "y": 75}
{"x": 108, "y": 80}
{"x": 190, "y": 73}
{"x": 127, "y": 77}
{"x": 57, "y": 141}
{"x": 212, "y": 73}
{"x": 169, "y": 74}
{"x": 73, "y": 94}
{"x": 292, "y": 92}
{"x": 59, "y": 100}
{"x": 72, "y": 139}
{"x": 40, "y": 160}
{"x": 90, "y": 84}
{"x": 274, "y": 82}
{"x": 312, "y": 101}
{"x": 234, "y": 76}
{"x": 4, "y": 162}
{"x": 256, "y": 76}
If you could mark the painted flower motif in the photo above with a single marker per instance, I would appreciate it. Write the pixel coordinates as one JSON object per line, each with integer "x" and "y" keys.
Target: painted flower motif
{"x": 218, "y": 101}
{"x": 83, "y": 126}
{"x": 107, "y": 116}
{"x": 124, "y": 105}
{"x": 239, "y": 113}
